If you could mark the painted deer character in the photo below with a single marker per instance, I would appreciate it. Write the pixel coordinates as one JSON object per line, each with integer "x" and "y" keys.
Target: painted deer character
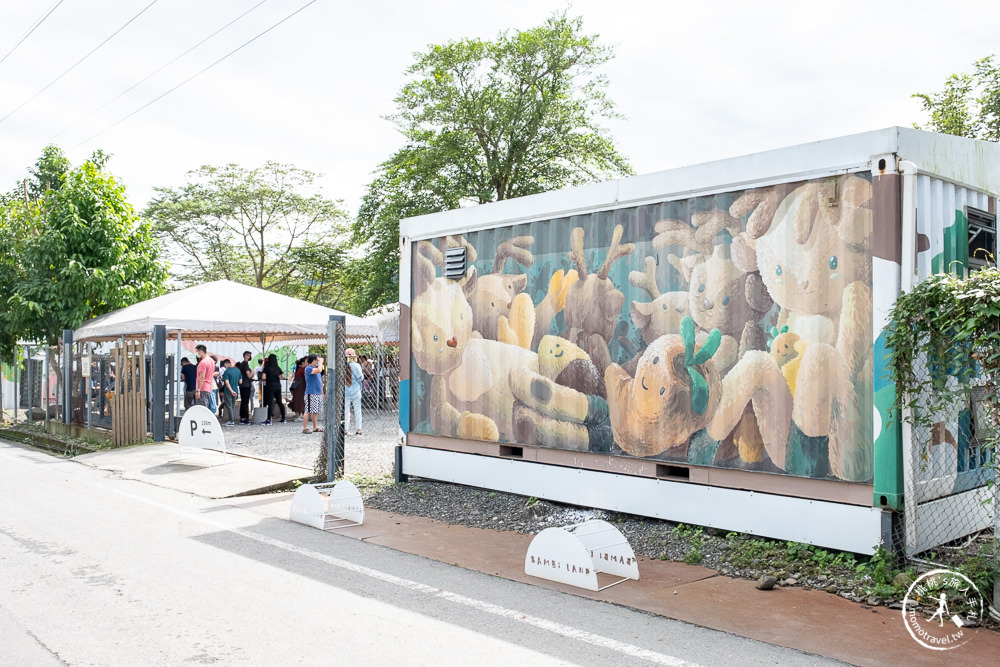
{"x": 495, "y": 292}
{"x": 673, "y": 394}
{"x": 473, "y": 380}
{"x": 664, "y": 313}
{"x": 594, "y": 304}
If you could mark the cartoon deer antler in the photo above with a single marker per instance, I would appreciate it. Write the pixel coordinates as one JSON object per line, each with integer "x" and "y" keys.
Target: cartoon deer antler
{"x": 764, "y": 203}
{"x": 709, "y": 223}
{"x": 425, "y": 261}
{"x": 673, "y": 233}
{"x": 646, "y": 279}
{"x": 516, "y": 249}
{"x": 616, "y": 252}
{"x": 576, "y": 253}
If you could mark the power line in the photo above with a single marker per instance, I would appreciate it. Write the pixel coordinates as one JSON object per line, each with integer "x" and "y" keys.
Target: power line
{"x": 31, "y": 30}
{"x": 74, "y": 65}
{"x": 151, "y": 75}
{"x": 199, "y": 73}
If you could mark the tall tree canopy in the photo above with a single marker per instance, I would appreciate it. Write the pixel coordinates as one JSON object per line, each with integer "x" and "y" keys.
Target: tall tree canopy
{"x": 969, "y": 104}
{"x": 485, "y": 121}
{"x": 267, "y": 227}
{"x": 71, "y": 248}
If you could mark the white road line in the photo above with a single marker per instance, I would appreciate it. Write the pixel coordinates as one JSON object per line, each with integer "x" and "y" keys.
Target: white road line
{"x": 560, "y": 629}
{"x": 541, "y": 623}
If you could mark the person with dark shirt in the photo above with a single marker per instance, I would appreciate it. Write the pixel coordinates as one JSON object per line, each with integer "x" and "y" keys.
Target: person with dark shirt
{"x": 246, "y": 386}
{"x": 272, "y": 377}
{"x": 298, "y": 389}
{"x": 189, "y": 373}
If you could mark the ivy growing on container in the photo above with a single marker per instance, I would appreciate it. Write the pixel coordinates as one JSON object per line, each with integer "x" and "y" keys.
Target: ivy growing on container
{"x": 944, "y": 341}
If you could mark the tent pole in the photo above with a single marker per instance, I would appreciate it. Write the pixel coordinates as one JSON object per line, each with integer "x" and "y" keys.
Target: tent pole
{"x": 179, "y": 378}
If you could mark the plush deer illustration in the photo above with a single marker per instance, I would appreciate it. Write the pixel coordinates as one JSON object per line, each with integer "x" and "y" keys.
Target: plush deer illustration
{"x": 664, "y": 313}
{"x": 594, "y": 304}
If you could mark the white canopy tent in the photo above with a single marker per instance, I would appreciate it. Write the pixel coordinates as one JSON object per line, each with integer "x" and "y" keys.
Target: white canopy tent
{"x": 386, "y": 318}
{"x": 223, "y": 311}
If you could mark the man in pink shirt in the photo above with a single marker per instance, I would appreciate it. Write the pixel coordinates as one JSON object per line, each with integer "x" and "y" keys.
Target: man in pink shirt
{"x": 203, "y": 380}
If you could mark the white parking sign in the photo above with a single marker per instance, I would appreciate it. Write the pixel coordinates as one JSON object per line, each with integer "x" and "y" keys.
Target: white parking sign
{"x": 200, "y": 429}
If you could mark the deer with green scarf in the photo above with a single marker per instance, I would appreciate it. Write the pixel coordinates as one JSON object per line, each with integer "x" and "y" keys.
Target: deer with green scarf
{"x": 673, "y": 394}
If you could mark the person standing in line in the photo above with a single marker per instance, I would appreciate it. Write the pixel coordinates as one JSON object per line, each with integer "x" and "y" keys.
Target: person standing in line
{"x": 298, "y": 389}
{"x": 313, "y": 372}
{"x": 203, "y": 377}
{"x": 230, "y": 389}
{"x": 189, "y": 373}
{"x": 353, "y": 378}
{"x": 368, "y": 378}
{"x": 217, "y": 400}
{"x": 246, "y": 386}
{"x": 260, "y": 382}
{"x": 272, "y": 377}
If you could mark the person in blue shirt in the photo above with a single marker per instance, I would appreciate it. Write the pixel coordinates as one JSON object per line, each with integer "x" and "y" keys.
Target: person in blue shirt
{"x": 353, "y": 378}
{"x": 189, "y": 373}
{"x": 230, "y": 389}
{"x": 314, "y": 393}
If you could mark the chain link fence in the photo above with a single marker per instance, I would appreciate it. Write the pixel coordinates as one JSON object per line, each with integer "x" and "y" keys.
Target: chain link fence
{"x": 950, "y": 498}
{"x": 31, "y": 385}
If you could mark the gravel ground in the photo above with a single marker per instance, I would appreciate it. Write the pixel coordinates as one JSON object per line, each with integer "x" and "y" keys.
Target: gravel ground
{"x": 369, "y": 455}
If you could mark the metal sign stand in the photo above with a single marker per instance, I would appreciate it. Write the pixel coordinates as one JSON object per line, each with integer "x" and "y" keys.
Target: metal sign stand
{"x": 575, "y": 554}
{"x": 343, "y": 508}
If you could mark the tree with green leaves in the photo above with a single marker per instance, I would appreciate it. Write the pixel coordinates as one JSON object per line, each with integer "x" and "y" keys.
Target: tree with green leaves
{"x": 969, "y": 104}
{"x": 485, "y": 121}
{"x": 267, "y": 227}
{"x": 71, "y": 248}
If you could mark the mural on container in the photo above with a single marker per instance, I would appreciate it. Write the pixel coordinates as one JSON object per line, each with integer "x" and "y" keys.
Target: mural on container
{"x": 733, "y": 330}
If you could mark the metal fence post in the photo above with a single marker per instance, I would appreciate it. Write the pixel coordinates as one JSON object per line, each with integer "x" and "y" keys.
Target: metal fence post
{"x": 17, "y": 384}
{"x": 67, "y": 384}
{"x": 31, "y": 384}
{"x": 87, "y": 364}
{"x": 334, "y": 398}
{"x": 159, "y": 373}
{"x": 996, "y": 539}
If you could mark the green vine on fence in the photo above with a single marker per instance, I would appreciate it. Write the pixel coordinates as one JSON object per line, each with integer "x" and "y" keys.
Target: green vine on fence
{"x": 944, "y": 339}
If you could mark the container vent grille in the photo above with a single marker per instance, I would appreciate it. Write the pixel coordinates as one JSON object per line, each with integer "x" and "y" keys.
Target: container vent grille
{"x": 455, "y": 263}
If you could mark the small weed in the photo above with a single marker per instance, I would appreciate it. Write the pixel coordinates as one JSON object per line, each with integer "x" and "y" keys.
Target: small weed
{"x": 695, "y": 538}
{"x": 532, "y": 500}
{"x": 372, "y": 483}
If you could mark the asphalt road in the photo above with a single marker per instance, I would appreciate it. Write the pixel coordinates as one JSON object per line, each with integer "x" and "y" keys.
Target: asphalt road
{"x": 96, "y": 570}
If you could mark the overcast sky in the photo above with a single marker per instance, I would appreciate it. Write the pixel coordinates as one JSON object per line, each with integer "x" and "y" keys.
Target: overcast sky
{"x": 696, "y": 81}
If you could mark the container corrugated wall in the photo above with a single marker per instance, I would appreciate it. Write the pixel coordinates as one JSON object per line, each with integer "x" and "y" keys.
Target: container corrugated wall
{"x": 942, "y": 226}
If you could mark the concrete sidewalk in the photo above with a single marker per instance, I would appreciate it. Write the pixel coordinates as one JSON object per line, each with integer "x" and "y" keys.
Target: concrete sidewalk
{"x": 807, "y": 620}
{"x": 203, "y": 473}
